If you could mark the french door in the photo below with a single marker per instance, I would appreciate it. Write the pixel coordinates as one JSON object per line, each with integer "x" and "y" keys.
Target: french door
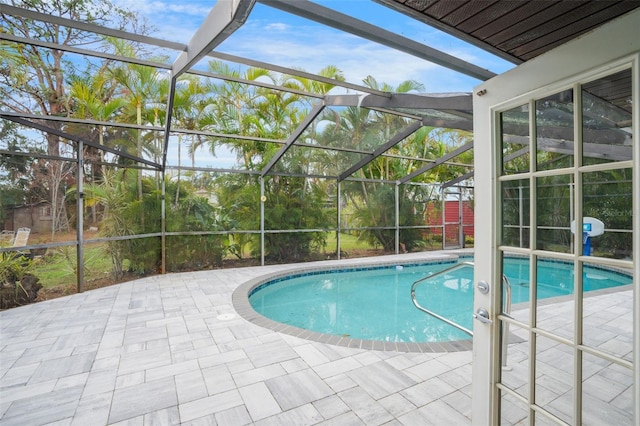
{"x": 560, "y": 346}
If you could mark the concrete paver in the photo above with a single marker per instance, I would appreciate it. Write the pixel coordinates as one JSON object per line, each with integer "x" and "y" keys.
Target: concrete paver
{"x": 171, "y": 349}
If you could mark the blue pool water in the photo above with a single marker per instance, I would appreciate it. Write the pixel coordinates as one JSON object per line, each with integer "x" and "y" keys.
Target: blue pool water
{"x": 375, "y": 304}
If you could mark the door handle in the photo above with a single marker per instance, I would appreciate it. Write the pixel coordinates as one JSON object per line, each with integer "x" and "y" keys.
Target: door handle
{"x": 482, "y": 315}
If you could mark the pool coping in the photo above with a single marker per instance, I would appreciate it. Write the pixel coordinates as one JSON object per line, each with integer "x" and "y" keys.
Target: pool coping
{"x": 240, "y": 301}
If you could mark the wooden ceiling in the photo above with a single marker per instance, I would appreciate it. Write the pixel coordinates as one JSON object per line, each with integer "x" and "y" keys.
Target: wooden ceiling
{"x": 515, "y": 30}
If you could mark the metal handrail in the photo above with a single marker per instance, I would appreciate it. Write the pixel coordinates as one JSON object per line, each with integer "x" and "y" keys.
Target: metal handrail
{"x": 506, "y": 312}
{"x": 433, "y": 314}
{"x": 505, "y": 325}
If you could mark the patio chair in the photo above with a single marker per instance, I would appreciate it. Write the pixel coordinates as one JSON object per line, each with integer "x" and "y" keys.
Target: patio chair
{"x": 21, "y": 238}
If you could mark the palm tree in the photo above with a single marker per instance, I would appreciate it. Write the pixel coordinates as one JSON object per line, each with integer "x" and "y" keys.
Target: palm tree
{"x": 143, "y": 88}
{"x": 188, "y": 104}
{"x": 268, "y": 113}
{"x": 92, "y": 99}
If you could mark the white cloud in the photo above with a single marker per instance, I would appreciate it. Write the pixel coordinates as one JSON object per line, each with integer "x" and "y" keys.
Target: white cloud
{"x": 279, "y": 38}
{"x": 313, "y": 48}
{"x": 277, "y": 26}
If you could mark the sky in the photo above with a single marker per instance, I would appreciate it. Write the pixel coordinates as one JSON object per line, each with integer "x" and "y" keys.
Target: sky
{"x": 284, "y": 39}
{"x": 277, "y": 37}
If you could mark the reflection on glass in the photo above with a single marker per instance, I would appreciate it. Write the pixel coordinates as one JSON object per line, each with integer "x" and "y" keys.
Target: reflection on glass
{"x": 607, "y": 132}
{"x": 515, "y": 213}
{"x": 555, "y": 130}
{"x": 607, "y": 392}
{"x": 516, "y": 366}
{"x": 608, "y": 197}
{"x": 554, "y": 213}
{"x": 608, "y": 310}
{"x": 512, "y": 411}
{"x": 554, "y": 378}
{"x": 554, "y": 295}
{"x": 516, "y": 270}
{"x": 515, "y": 140}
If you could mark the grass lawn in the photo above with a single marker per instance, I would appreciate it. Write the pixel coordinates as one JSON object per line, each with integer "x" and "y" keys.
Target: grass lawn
{"x": 58, "y": 267}
{"x": 347, "y": 242}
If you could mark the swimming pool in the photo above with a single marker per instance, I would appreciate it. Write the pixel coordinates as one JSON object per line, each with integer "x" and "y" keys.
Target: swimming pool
{"x": 373, "y": 303}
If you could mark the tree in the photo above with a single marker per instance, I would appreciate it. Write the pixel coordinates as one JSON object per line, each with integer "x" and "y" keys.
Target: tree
{"x": 34, "y": 80}
{"x": 292, "y": 203}
{"x": 143, "y": 88}
{"x": 188, "y": 105}
{"x": 373, "y": 200}
{"x": 18, "y": 179}
{"x": 93, "y": 98}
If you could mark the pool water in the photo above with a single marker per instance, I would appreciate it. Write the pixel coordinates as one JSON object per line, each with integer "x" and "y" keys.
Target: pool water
{"x": 375, "y": 304}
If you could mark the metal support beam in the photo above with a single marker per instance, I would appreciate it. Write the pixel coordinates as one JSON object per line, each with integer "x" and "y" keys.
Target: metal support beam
{"x": 89, "y": 27}
{"x": 295, "y": 72}
{"x": 167, "y": 121}
{"x": 76, "y": 139}
{"x": 163, "y": 224}
{"x": 263, "y": 199}
{"x": 84, "y": 52}
{"x": 397, "y": 215}
{"x": 339, "y": 222}
{"x": 441, "y": 101}
{"x": 87, "y": 121}
{"x": 223, "y": 20}
{"x": 256, "y": 83}
{"x": 80, "y": 219}
{"x": 315, "y": 111}
{"x": 457, "y": 180}
{"x": 340, "y": 21}
{"x": 469, "y": 175}
{"x": 402, "y": 134}
{"x": 439, "y": 161}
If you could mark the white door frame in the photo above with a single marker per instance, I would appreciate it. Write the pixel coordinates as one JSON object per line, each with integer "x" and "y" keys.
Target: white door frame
{"x": 610, "y": 46}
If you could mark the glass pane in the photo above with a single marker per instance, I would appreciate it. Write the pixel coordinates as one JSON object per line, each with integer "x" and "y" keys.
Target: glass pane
{"x": 516, "y": 271}
{"x": 607, "y": 393}
{"x": 512, "y": 411}
{"x": 554, "y": 295}
{"x": 555, "y": 130}
{"x": 554, "y": 378}
{"x": 515, "y": 360}
{"x": 515, "y": 140}
{"x": 515, "y": 213}
{"x": 607, "y": 132}
{"x": 608, "y": 310}
{"x": 554, "y": 213}
{"x": 608, "y": 197}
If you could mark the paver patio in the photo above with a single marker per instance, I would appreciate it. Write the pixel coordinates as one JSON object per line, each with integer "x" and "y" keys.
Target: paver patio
{"x": 170, "y": 349}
